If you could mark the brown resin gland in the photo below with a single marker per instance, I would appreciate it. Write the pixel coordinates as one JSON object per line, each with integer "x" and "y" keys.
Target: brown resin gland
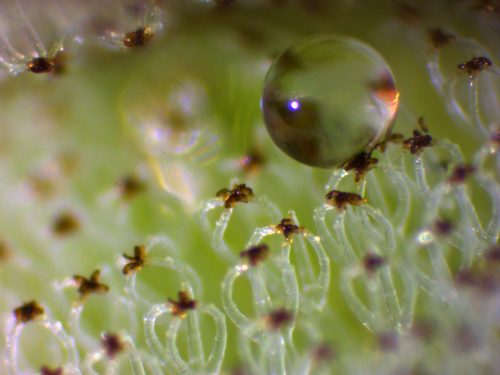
{"x": 460, "y": 174}
{"x": 278, "y": 318}
{"x": 130, "y": 186}
{"x": 112, "y": 344}
{"x": 138, "y": 38}
{"x": 360, "y": 163}
{"x": 92, "y": 285}
{"x": 442, "y": 227}
{"x": 65, "y": 223}
{"x": 341, "y": 199}
{"x": 288, "y": 228}
{"x": 135, "y": 262}
{"x": 323, "y": 353}
{"x": 475, "y": 65}
{"x": 184, "y": 303}
{"x": 28, "y": 312}
{"x": 41, "y": 65}
{"x": 417, "y": 143}
{"x": 255, "y": 254}
{"x": 4, "y": 251}
{"x": 372, "y": 262}
{"x": 45, "y": 370}
{"x": 439, "y": 38}
{"x": 56, "y": 64}
{"x": 239, "y": 194}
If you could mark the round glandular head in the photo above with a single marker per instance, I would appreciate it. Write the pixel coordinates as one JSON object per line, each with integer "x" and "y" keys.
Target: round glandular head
{"x": 327, "y": 99}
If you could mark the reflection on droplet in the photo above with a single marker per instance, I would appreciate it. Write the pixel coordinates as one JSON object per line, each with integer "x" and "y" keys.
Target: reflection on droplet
{"x": 168, "y": 122}
{"x": 327, "y": 99}
{"x": 294, "y": 105}
{"x": 426, "y": 237}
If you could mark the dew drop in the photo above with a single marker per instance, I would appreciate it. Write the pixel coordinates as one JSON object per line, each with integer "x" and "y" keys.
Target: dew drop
{"x": 327, "y": 99}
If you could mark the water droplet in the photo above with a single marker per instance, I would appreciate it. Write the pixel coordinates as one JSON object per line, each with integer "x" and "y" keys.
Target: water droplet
{"x": 327, "y": 99}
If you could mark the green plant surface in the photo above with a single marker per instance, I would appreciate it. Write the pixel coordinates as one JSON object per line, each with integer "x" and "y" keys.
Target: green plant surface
{"x": 176, "y": 116}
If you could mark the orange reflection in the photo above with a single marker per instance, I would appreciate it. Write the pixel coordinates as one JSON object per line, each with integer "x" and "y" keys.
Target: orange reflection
{"x": 385, "y": 90}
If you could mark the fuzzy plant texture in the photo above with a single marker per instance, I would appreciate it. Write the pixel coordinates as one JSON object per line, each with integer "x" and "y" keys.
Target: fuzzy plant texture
{"x": 149, "y": 224}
